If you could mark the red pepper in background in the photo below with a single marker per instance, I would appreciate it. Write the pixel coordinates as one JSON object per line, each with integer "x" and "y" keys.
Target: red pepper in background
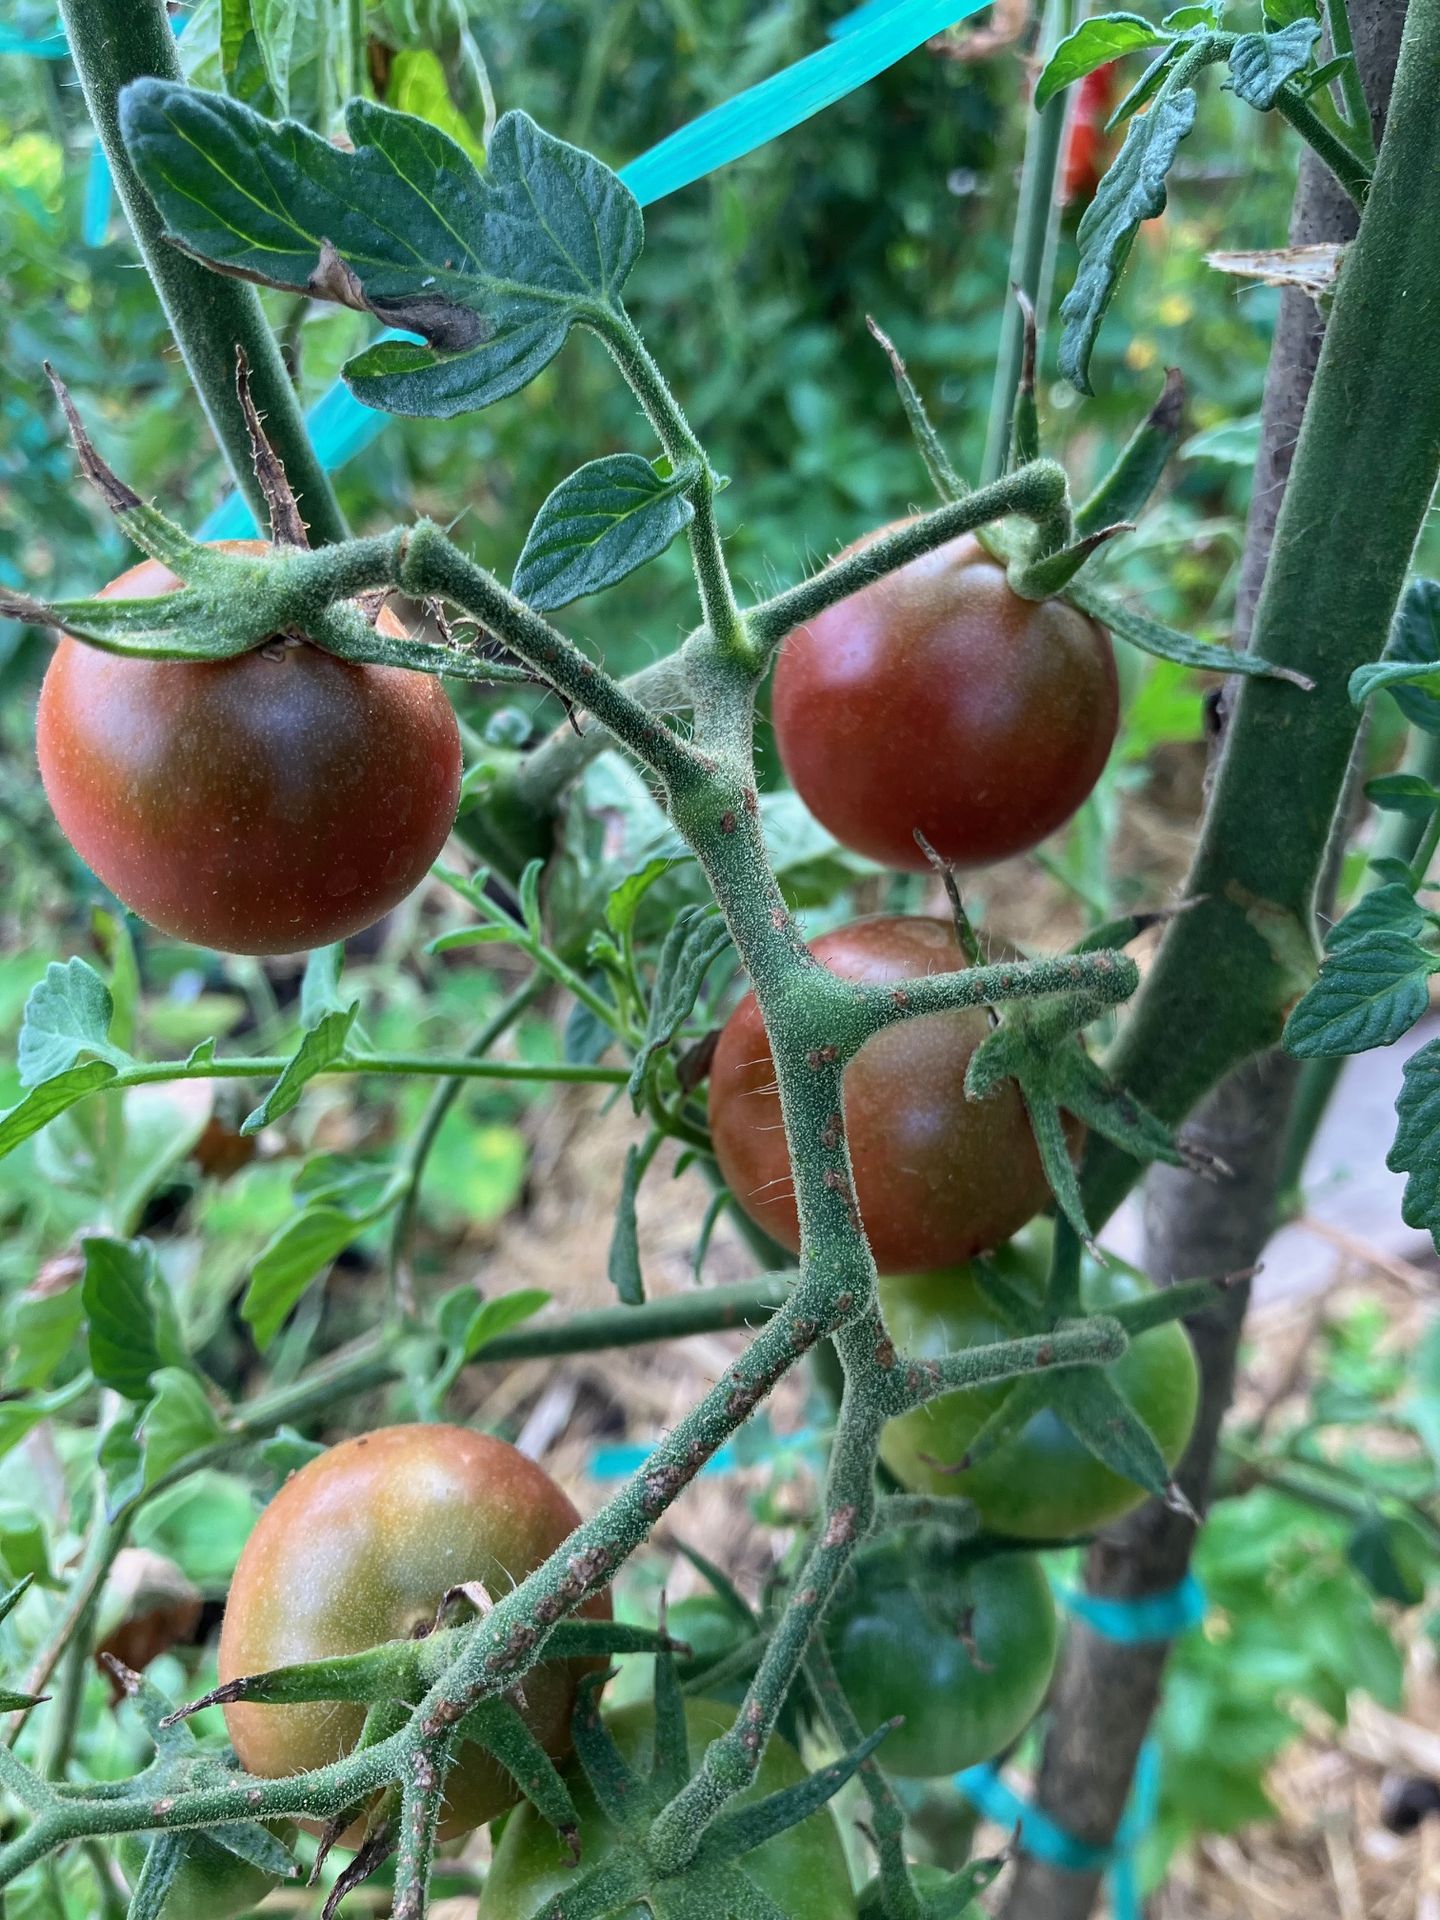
{"x": 1085, "y": 143}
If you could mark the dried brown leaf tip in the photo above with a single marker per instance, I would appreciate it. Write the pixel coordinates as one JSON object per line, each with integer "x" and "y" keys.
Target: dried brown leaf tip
{"x": 287, "y": 529}
{"x": 112, "y": 489}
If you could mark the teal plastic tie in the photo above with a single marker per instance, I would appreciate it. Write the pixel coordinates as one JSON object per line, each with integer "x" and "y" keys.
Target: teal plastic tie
{"x": 1046, "y": 1840}
{"x": 1140, "y": 1621}
{"x": 867, "y": 41}
{"x": 49, "y": 46}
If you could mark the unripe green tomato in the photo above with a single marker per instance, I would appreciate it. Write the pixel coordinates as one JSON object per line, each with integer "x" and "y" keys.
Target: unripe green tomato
{"x": 928, "y": 1882}
{"x": 360, "y": 1547}
{"x": 212, "y": 1884}
{"x": 962, "y": 1647}
{"x": 1041, "y": 1484}
{"x": 803, "y": 1869}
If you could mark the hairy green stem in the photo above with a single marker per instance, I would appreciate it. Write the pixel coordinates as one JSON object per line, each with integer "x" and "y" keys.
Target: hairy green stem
{"x": 441, "y": 1101}
{"x": 1349, "y": 167}
{"x": 1032, "y": 246}
{"x": 112, "y": 43}
{"x": 1365, "y": 467}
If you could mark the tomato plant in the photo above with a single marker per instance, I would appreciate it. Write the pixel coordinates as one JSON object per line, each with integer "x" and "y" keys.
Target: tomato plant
{"x": 936, "y": 698}
{"x": 362, "y": 1546}
{"x": 962, "y": 1646}
{"x": 803, "y": 1869}
{"x": 267, "y": 803}
{"x": 211, "y": 1884}
{"x": 1041, "y": 1483}
{"x": 174, "y": 1345}
{"x": 938, "y": 1177}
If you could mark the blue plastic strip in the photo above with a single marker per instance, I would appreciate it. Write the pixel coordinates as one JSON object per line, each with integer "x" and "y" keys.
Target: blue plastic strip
{"x": 872, "y": 38}
{"x": 619, "y": 1462}
{"x": 1134, "y": 1623}
{"x": 50, "y": 46}
{"x": 1039, "y": 1834}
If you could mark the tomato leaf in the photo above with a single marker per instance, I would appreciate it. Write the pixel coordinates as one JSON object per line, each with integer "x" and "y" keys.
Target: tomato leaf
{"x": 1168, "y": 643}
{"x": 1280, "y": 13}
{"x": 1094, "y": 43}
{"x": 1370, "y": 992}
{"x": 624, "y": 1259}
{"x": 491, "y": 1318}
{"x": 290, "y": 1262}
{"x": 1132, "y": 190}
{"x": 245, "y": 62}
{"x": 1392, "y": 1557}
{"x": 1403, "y": 793}
{"x": 1414, "y": 641}
{"x": 1105, "y": 1423}
{"x": 43, "y": 1103}
{"x": 1261, "y": 63}
{"x": 178, "y": 1422}
{"x": 693, "y": 944}
{"x": 1417, "y": 1141}
{"x": 600, "y": 524}
{"x": 490, "y": 270}
{"x": 319, "y": 1049}
{"x": 67, "y": 1017}
{"x": 163, "y": 1862}
{"x": 132, "y": 1328}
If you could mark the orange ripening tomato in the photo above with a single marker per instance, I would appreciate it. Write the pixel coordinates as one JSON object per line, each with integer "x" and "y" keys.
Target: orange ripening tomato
{"x": 266, "y": 803}
{"x": 360, "y": 1547}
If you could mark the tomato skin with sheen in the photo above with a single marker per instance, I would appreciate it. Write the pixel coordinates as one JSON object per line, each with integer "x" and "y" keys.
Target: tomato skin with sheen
{"x": 267, "y": 803}
{"x": 963, "y": 1648}
{"x": 803, "y": 1869}
{"x": 1042, "y": 1484}
{"x": 938, "y": 1177}
{"x": 361, "y": 1546}
{"x": 937, "y": 698}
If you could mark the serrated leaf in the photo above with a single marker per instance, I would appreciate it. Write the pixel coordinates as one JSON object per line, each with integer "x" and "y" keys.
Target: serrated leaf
{"x": 320, "y": 1048}
{"x": 1132, "y": 190}
{"x": 1392, "y": 908}
{"x": 693, "y": 944}
{"x": 1094, "y": 43}
{"x": 1414, "y": 640}
{"x": 600, "y": 524}
{"x": 1370, "y": 992}
{"x": 1261, "y": 63}
{"x": 131, "y": 1320}
{"x": 1144, "y": 89}
{"x": 1416, "y": 1149}
{"x": 43, "y": 1103}
{"x": 67, "y": 1016}
{"x": 491, "y": 271}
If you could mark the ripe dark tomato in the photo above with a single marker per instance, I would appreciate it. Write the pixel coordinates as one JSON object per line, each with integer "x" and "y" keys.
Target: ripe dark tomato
{"x": 938, "y": 1177}
{"x": 803, "y": 1869}
{"x": 360, "y": 1547}
{"x": 267, "y": 803}
{"x": 1042, "y": 1484}
{"x": 937, "y": 698}
{"x": 212, "y": 1884}
{"x": 964, "y": 1648}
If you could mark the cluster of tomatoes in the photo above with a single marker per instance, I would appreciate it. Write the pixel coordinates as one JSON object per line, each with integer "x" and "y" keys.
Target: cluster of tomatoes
{"x": 286, "y": 798}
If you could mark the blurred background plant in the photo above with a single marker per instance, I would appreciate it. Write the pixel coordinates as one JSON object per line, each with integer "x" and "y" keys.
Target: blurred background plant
{"x": 896, "y": 203}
